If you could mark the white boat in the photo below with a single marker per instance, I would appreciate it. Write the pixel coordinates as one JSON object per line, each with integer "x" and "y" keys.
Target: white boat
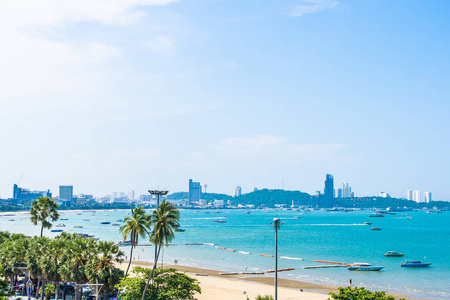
{"x": 60, "y": 225}
{"x": 363, "y": 267}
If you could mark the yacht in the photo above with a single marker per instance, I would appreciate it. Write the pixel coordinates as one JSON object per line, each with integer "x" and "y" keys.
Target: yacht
{"x": 415, "y": 264}
{"x": 377, "y": 215}
{"x": 363, "y": 267}
{"x": 393, "y": 254}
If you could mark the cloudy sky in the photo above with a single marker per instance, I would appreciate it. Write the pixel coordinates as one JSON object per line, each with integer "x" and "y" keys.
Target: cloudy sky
{"x": 114, "y": 95}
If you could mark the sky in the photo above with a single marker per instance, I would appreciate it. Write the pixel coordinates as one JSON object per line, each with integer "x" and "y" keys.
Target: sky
{"x": 112, "y": 95}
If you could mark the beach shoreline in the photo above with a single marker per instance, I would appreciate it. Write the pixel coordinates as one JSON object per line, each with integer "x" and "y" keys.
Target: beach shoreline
{"x": 224, "y": 287}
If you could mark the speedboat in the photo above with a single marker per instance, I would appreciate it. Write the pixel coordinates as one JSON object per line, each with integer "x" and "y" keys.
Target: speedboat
{"x": 415, "y": 264}
{"x": 104, "y": 223}
{"x": 77, "y": 226}
{"x": 60, "y": 225}
{"x": 181, "y": 230}
{"x": 367, "y": 223}
{"x": 115, "y": 224}
{"x": 393, "y": 254}
{"x": 124, "y": 243}
{"x": 375, "y": 228}
{"x": 57, "y": 230}
{"x": 363, "y": 267}
{"x": 377, "y": 215}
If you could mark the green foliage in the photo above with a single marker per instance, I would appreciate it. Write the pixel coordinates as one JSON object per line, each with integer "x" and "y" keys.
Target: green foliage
{"x": 43, "y": 210}
{"x": 271, "y": 197}
{"x": 65, "y": 258}
{"x": 348, "y": 293}
{"x": 134, "y": 226}
{"x": 49, "y": 290}
{"x": 4, "y": 290}
{"x": 266, "y": 297}
{"x": 169, "y": 285}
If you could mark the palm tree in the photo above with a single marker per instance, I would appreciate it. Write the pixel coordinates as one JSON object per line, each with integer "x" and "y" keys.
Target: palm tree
{"x": 165, "y": 222}
{"x": 42, "y": 209}
{"x": 134, "y": 226}
{"x": 101, "y": 268}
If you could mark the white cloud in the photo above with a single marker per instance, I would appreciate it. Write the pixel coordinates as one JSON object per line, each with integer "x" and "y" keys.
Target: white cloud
{"x": 161, "y": 44}
{"x": 23, "y": 13}
{"x": 312, "y": 6}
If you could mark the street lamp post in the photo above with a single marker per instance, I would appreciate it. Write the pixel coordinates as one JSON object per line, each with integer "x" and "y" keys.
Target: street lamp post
{"x": 276, "y": 225}
{"x": 157, "y": 193}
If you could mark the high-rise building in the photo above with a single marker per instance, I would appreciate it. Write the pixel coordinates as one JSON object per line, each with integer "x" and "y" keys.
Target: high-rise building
{"x": 338, "y": 193}
{"x": 205, "y": 187}
{"x": 409, "y": 194}
{"x": 131, "y": 195}
{"x": 26, "y": 194}
{"x": 66, "y": 192}
{"x": 195, "y": 191}
{"x": 428, "y": 197}
{"x": 328, "y": 195}
{"x": 416, "y": 196}
{"x": 238, "y": 191}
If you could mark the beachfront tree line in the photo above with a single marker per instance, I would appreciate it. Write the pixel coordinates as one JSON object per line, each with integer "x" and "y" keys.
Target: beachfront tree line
{"x": 70, "y": 258}
{"x": 63, "y": 259}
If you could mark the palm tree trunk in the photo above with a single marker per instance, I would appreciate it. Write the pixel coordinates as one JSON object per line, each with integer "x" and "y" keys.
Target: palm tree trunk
{"x": 37, "y": 286}
{"x": 42, "y": 229}
{"x": 43, "y": 288}
{"x": 151, "y": 274}
{"x": 57, "y": 290}
{"x": 131, "y": 257}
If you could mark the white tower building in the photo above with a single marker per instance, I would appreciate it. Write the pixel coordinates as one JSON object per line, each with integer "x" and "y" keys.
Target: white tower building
{"x": 409, "y": 194}
{"x": 428, "y": 197}
{"x": 416, "y": 196}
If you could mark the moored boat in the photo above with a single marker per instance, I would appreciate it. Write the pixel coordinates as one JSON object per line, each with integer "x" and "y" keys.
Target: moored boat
{"x": 124, "y": 243}
{"x": 57, "y": 230}
{"x": 364, "y": 267}
{"x": 60, "y": 225}
{"x": 367, "y": 223}
{"x": 377, "y": 215}
{"x": 393, "y": 254}
{"x": 415, "y": 264}
{"x": 105, "y": 223}
{"x": 375, "y": 228}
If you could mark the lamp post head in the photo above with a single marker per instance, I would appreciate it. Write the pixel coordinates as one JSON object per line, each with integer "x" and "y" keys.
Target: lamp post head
{"x": 156, "y": 192}
{"x": 276, "y": 224}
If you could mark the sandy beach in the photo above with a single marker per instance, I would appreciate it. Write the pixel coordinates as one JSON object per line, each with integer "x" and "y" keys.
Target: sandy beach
{"x": 224, "y": 287}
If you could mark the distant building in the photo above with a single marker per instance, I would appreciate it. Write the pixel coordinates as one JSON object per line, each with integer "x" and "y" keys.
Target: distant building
{"x": 327, "y": 199}
{"x": 145, "y": 198}
{"x": 409, "y": 195}
{"x": 384, "y": 195}
{"x": 238, "y": 191}
{"x": 338, "y": 193}
{"x": 416, "y": 196}
{"x": 131, "y": 195}
{"x": 25, "y": 194}
{"x": 428, "y": 197}
{"x": 66, "y": 192}
{"x": 346, "y": 191}
{"x": 195, "y": 191}
{"x": 205, "y": 187}
{"x": 218, "y": 203}
{"x": 255, "y": 189}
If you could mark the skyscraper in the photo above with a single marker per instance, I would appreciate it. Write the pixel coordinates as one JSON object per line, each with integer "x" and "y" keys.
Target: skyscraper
{"x": 328, "y": 195}
{"x": 238, "y": 191}
{"x": 195, "y": 191}
{"x": 66, "y": 192}
{"x": 416, "y": 196}
{"x": 409, "y": 194}
{"x": 428, "y": 197}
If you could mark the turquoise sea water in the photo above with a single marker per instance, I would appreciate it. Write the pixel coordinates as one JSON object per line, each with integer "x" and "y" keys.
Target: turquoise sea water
{"x": 318, "y": 235}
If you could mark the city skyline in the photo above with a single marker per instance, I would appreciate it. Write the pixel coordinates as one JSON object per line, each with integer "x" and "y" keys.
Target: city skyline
{"x": 146, "y": 94}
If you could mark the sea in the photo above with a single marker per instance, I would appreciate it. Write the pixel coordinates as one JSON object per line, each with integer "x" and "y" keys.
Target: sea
{"x": 311, "y": 235}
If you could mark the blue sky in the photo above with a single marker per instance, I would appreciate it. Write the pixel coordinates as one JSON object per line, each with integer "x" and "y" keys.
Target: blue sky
{"x": 119, "y": 95}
